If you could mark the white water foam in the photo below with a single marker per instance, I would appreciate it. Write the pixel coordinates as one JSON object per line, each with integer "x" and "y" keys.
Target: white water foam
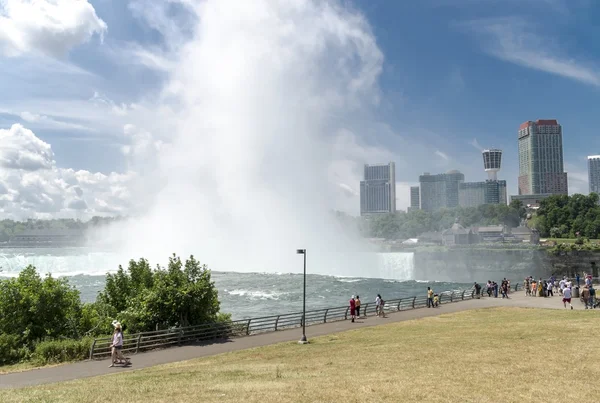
{"x": 256, "y": 294}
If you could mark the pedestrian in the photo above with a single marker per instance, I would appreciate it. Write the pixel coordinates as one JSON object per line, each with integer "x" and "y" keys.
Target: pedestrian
{"x": 352, "y": 308}
{"x": 116, "y": 347}
{"x": 585, "y": 296}
{"x": 477, "y": 290}
{"x": 357, "y": 303}
{"x": 567, "y": 297}
{"x": 429, "y": 297}
{"x": 378, "y": 305}
{"x": 592, "y": 296}
{"x": 577, "y": 279}
{"x": 550, "y": 293}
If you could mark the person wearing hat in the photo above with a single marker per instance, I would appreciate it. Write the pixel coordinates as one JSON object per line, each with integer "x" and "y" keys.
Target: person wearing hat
{"x": 117, "y": 344}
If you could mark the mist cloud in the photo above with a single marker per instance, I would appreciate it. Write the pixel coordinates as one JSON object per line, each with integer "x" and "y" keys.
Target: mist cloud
{"x": 267, "y": 96}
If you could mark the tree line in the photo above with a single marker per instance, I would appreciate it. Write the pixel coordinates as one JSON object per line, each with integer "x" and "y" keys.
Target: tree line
{"x": 404, "y": 225}
{"x": 43, "y": 319}
{"x": 10, "y": 228}
{"x": 562, "y": 216}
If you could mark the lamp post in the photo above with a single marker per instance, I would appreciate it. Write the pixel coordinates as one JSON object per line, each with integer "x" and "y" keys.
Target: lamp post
{"x": 303, "y": 339}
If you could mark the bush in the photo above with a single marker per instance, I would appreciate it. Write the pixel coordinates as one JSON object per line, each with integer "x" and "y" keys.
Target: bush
{"x": 55, "y": 351}
{"x": 12, "y": 349}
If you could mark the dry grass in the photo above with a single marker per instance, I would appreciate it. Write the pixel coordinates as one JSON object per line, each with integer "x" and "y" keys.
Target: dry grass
{"x": 520, "y": 354}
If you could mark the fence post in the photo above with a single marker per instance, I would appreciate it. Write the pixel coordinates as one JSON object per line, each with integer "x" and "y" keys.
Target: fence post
{"x": 248, "y": 327}
{"x": 472, "y": 294}
{"x": 137, "y": 344}
{"x": 463, "y": 295}
{"x": 440, "y": 298}
{"x": 413, "y": 303}
{"x": 92, "y": 349}
{"x": 276, "y": 322}
{"x": 179, "y": 333}
{"x": 325, "y": 316}
{"x": 399, "y": 302}
{"x": 346, "y": 314}
{"x": 365, "y": 310}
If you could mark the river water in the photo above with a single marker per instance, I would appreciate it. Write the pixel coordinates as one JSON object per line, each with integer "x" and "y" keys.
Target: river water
{"x": 241, "y": 294}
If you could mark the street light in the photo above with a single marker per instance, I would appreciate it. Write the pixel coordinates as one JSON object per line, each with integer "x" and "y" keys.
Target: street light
{"x": 303, "y": 339}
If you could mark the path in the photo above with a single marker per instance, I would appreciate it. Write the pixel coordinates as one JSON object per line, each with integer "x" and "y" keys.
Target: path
{"x": 86, "y": 369}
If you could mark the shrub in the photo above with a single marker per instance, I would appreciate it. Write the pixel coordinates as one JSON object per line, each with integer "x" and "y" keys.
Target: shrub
{"x": 12, "y": 349}
{"x": 55, "y": 351}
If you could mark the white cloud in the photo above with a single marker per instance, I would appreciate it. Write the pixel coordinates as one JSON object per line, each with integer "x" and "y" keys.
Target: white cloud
{"x": 476, "y": 144}
{"x": 514, "y": 40}
{"x": 31, "y": 184}
{"x": 21, "y": 149}
{"x": 51, "y": 27}
{"x": 442, "y": 155}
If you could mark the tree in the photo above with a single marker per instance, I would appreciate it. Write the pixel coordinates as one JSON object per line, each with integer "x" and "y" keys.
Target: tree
{"x": 182, "y": 294}
{"x": 33, "y": 308}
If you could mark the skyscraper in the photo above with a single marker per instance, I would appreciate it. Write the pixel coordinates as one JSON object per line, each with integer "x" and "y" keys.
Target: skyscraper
{"x": 378, "y": 189}
{"x": 594, "y": 173}
{"x": 541, "y": 168}
{"x": 440, "y": 191}
{"x": 415, "y": 203}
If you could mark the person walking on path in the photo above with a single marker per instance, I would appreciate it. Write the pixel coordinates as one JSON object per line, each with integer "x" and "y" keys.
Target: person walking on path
{"x": 117, "y": 345}
{"x": 577, "y": 279}
{"x": 592, "y": 297}
{"x": 357, "y": 303}
{"x": 567, "y": 297}
{"x": 429, "y": 297}
{"x": 352, "y": 308}
{"x": 378, "y": 305}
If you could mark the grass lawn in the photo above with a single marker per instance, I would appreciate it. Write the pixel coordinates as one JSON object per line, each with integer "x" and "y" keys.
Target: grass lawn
{"x": 522, "y": 354}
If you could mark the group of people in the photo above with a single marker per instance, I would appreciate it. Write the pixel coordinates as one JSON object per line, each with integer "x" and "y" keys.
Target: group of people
{"x": 355, "y": 305}
{"x": 564, "y": 287}
{"x": 493, "y": 287}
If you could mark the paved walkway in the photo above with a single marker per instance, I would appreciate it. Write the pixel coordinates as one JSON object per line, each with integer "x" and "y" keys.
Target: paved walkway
{"x": 85, "y": 369}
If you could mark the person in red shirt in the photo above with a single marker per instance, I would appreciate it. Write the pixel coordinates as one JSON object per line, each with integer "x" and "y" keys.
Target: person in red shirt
{"x": 352, "y": 308}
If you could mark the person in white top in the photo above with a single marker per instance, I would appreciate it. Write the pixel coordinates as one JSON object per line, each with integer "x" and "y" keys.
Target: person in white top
{"x": 549, "y": 289}
{"x": 562, "y": 286}
{"x": 117, "y": 345}
{"x": 567, "y": 297}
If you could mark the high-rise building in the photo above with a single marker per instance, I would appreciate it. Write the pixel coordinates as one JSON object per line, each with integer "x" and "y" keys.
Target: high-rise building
{"x": 594, "y": 173}
{"x": 440, "y": 191}
{"x": 473, "y": 194}
{"x": 415, "y": 200}
{"x": 378, "y": 189}
{"x": 541, "y": 169}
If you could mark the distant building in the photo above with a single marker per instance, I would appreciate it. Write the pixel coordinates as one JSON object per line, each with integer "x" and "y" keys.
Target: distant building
{"x": 378, "y": 189}
{"x": 541, "y": 169}
{"x": 415, "y": 200}
{"x": 492, "y": 162}
{"x": 440, "y": 191}
{"x": 490, "y": 233}
{"x": 594, "y": 173}
{"x": 457, "y": 235}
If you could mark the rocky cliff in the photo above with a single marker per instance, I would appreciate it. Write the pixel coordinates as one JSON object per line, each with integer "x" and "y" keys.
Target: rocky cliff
{"x": 466, "y": 265}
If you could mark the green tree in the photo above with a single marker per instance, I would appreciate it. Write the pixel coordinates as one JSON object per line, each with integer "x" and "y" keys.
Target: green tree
{"x": 33, "y": 308}
{"x": 182, "y": 294}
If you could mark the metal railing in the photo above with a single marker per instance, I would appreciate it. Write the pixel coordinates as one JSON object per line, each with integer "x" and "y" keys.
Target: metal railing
{"x": 134, "y": 343}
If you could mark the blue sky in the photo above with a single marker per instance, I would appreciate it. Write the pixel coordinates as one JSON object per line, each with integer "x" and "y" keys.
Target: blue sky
{"x": 458, "y": 75}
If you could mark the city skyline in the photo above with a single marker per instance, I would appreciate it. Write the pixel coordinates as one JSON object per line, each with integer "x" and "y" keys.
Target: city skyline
{"x": 97, "y": 102}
